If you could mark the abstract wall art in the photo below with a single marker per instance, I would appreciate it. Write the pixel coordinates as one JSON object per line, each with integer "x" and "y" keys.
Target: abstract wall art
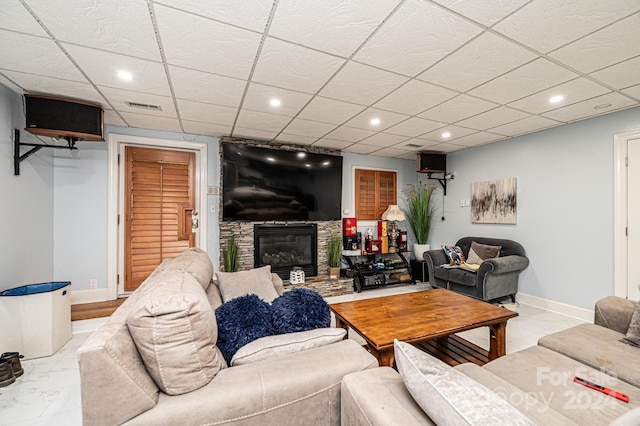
{"x": 494, "y": 201}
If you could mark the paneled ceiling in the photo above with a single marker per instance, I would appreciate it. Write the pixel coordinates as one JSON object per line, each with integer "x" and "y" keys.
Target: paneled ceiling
{"x": 437, "y": 75}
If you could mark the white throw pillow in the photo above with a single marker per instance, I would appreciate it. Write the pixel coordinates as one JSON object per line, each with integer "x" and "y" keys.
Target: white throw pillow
{"x": 282, "y": 344}
{"x": 254, "y": 281}
{"x": 448, "y": 396}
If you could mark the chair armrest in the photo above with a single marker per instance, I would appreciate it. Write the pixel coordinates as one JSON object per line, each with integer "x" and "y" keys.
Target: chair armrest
{"x": 501, "y": 265}
{"x": 614, "y": 313}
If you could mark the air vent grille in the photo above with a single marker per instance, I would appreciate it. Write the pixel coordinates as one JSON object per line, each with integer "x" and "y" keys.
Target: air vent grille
{"x": 413, "y": 145}
{"x": 144, "y": 106}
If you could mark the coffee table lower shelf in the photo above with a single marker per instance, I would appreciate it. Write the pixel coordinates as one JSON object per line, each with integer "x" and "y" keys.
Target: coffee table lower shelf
{"x": 454, "y": 350}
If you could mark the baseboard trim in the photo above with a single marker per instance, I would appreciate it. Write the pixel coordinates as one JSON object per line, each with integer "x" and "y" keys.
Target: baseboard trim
{"x": 89, "y": 296}
{"x": 87, "y": 326}
{"x": 558, "y": 307}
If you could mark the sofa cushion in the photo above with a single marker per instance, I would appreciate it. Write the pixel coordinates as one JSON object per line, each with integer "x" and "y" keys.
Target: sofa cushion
{"x": 463, "y": 276}
{"x": 605, "y": 352}
{"x": 270, "y": 347}
{"x": 480, "y": 252}
{"x": 454, "y": 254}
{"x": 194, "y": 261}
{"x": 241, "y": 321}
{"x": 254, "y": 281}
{"x": 450, "y": 397}
{"x": 633, "y": 333}
{"x": 174, "y": 329}
{"x": 298, "y": 310}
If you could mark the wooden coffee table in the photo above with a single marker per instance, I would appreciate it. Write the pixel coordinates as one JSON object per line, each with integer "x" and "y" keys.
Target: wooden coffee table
{"x": 427, "y": 319}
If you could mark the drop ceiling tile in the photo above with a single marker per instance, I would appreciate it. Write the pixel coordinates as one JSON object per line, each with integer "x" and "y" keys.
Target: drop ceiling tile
{"x": 9, "y": 84}
{"x": 393, "y": 152}
{"x": 150, "y": 122}
{"x": 620, "y": 76}
{"x": 477, "y": 139}
{"x": 414, "y": 97}
{"x": 259, "y": 95}
{"x": 309, "y": 128}
{"x": 407, "y": 156}
{"x": 361, "y": 84}
{"x": 486, "y": 12}
{"x": 333, "y": 26}
{"x": 455, "y": 131}
{"x": 493, "y": 118}
{"x": 36, "y": 55}
{"x": 349, "y": 134}
{"x": 294, "y": 67}
{"x": 415, "y": 37}
{"x": 101, "y": 67}
{"x": 194, "y": 42}
{"x": 260, "y": 134}
{"x": 416, "y": 144}
{"x": 533, "y": 77}
{"x": 209, "y": 129}
{"x": 447, "y": 147}
{"x": 458, "y": 108}
{"x": 15, "y": 17}
{"x": 113, "y": 119}
{"x": 588, "y": 108}
{"x": 208, "y": 113}
{"x": 573, "y": 91}
{"x": 204, "y": 87}
{"x": 633, "y": 91}
{"x": 466, "y": 69}
{"x": 608, "y": 46}
{"x": 331, "y": 143}
{"x": 56, "y": 86}
{"x": 250, "y": 14}
{"x": 559, "y": 22}
{"x": 387, "y": 119}
{"x": 296, "y": 139}
{"x": 384, "y": 139}
{"x": 100, "y": 24}
{"x": 330, "y": 110}
{"x": 360, "y": 148}
{"x": 526, "y": 125}
{"x": 414, "y": 127}
{"x": 118, "y": 98}
{"x": 260, "y": 120}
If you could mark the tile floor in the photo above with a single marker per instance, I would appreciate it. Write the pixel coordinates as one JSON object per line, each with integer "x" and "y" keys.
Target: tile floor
{"x": 49, "y": 391}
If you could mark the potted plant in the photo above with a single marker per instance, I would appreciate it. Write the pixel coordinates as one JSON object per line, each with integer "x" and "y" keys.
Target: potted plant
{"x": 419, "y": 214}
{"x": 231, "y": 255}
{"x": 334, "y": 251}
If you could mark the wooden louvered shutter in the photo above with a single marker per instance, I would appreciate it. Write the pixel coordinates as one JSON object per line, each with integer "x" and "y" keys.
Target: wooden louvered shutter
{"x": 159, "y": 199}
{"x": 375, "y": 191}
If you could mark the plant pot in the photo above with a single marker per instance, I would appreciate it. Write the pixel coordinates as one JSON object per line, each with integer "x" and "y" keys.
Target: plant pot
{"x": 419, "y": 249}
{"x": 334, "y": 272}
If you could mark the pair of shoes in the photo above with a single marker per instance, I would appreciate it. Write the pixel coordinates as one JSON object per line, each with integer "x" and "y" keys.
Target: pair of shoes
{"x": 14, "y": 359}
{"x": 6, "y": 373}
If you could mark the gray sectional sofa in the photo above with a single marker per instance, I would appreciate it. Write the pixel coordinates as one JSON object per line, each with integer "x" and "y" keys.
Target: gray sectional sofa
{"x": 154, "y": 362}
{"x": 537, "y": 381}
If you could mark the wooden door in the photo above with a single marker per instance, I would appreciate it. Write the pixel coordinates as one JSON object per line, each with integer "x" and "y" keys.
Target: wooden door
{"x": 159, "y": 200}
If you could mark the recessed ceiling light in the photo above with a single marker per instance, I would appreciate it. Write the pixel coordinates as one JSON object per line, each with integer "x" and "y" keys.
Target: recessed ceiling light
{"x": 446, "y": 135}
{"x": 125, "y": 75}
{"x": 274, "y": 102}
{"x": 375, "y": 121}
{"x": 556, "y": 99}
{"x": 603, "y": 106}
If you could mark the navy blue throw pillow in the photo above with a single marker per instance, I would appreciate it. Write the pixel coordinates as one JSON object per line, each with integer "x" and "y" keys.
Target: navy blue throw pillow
{"x": 240, "y": 321}
{"x": 300, "y": 309}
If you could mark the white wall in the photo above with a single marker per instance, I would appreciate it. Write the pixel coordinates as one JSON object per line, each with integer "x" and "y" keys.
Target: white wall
{"x": 565, "y": 204}
{"x": 26, "y": 215}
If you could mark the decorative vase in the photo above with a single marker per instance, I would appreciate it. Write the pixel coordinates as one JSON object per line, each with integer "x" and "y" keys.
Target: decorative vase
{"x": 419, "y": 249}
{"x": 334, "y": 272}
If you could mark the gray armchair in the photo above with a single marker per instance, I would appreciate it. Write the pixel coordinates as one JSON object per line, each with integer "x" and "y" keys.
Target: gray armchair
{"x": 494, "y": 279}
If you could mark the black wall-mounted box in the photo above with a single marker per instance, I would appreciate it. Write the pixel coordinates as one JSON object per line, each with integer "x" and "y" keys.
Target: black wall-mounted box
{"x": 432, "y": 162}
{"x": 59, "y": 117}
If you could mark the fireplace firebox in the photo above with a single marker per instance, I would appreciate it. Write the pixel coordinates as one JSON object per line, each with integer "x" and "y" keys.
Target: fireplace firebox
{"x": 284, "y": 246}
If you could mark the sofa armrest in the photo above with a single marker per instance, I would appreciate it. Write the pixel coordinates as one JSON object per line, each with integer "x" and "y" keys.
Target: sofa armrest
{"x": 501, "y": 265}
{"x": 436, "y": 256}
{"x": 614, "y": 312}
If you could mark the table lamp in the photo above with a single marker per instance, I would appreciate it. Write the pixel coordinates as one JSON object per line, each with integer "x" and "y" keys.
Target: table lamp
{"x": 392, "y": 214}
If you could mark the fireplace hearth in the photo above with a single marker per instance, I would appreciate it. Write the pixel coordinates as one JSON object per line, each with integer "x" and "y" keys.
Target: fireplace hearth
{"x": 283, "y": 246}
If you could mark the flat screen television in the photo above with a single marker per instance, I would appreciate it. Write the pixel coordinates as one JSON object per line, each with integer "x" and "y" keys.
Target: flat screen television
{"x": 261, "y": 183}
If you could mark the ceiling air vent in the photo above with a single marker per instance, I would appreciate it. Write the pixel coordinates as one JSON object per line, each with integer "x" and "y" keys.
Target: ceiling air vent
{"x": 144, "y": 106}
{"x": 413, "y": 145}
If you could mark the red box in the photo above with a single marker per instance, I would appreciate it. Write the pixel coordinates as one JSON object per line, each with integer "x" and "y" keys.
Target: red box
{"x": 349, "y": 226}
{"x": 383, "y": 236}
{"x": 374, "y": 246}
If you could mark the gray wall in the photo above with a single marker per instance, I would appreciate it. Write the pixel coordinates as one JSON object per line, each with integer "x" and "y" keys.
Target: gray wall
{"x": 27, "y": 214}
{"x": 565, "y": 204}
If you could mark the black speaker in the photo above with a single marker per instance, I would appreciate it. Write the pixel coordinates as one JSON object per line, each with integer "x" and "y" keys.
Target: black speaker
{"x": 432, "y": 162}
{"x": 58, "y": 117}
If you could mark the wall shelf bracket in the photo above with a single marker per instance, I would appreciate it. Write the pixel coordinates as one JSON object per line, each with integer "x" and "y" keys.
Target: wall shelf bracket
{"x": 443, "y": 180}
{"x": 17, "y": 158}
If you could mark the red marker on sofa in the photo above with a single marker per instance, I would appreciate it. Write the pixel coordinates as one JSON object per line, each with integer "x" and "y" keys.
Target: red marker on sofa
{"x": 622, "y": 397}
